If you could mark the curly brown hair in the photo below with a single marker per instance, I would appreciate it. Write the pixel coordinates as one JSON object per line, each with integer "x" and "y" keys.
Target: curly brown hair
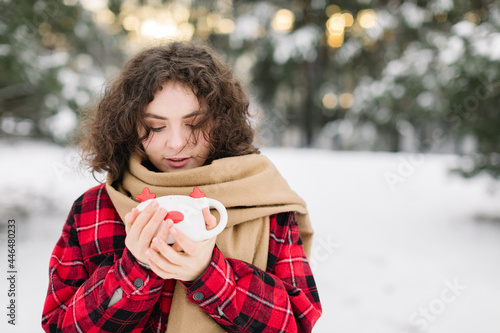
{"x": 110, "y": 133}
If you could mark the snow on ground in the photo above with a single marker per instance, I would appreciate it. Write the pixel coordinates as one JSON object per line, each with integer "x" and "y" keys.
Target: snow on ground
{"x": 407, "y": 259}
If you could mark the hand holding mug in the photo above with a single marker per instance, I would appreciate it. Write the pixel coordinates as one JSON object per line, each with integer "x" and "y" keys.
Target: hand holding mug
{"x": 189, "y": 226}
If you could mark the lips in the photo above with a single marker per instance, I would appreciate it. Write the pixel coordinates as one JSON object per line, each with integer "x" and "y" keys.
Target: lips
{"x": 177, "y": 162}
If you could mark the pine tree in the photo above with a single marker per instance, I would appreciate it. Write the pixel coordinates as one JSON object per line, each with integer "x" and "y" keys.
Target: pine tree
{"x": 417, "y": 76}
{"x": 50, "y": 56}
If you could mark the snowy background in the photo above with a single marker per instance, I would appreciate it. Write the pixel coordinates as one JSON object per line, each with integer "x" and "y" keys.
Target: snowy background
{"x": 418, "y": 256}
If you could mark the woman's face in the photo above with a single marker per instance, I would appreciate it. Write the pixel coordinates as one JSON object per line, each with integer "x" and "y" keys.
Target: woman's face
{"x": 171, "y": 115}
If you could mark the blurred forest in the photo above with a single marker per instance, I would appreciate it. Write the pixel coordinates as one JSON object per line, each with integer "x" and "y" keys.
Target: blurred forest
{"x": 413, "y": 76}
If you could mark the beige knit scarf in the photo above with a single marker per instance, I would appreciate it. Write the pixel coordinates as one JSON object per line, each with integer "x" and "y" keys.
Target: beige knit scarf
{"x": 251, "y": 189}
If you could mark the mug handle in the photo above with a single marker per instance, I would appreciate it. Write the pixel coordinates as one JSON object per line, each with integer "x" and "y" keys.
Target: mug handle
{"x": 223, "y": 218}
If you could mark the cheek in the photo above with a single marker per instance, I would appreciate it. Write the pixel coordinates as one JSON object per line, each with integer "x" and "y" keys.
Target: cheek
{"x": 203, "y": 140}
{"x": 149, "y": 141}
{"x": 141, "y": 131}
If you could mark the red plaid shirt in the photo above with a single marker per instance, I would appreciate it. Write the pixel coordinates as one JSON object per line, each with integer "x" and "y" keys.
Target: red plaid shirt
{"x": 90, "y": 262}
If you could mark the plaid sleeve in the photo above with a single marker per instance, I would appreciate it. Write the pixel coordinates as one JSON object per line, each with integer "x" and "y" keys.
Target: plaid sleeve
{"x": 243, "y": 298}
{"x": 78, "y": 299}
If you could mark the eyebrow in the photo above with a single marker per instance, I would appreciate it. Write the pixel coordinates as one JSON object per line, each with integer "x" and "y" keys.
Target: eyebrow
{"x": 190, "y": 115}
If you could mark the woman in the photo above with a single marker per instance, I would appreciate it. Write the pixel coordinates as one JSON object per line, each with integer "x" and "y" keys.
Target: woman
{"x": 175, "y": 118}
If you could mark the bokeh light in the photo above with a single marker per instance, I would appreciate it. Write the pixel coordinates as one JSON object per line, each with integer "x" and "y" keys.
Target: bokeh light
{"x": 336, "y": 24}
{"x": 104, "y": 17}
{"x": 155, "y": 29}
{"x": 472, "y": 17}
{"x": 348, "y": 19}
{"x": 225, "y": 26}
{"x": 283, "y": 20}
{"x": 330, "y": 100}
{"x": 367, "y": 18}
{"x": 131, "y": 23}
{"x": 346, "y": 100}
{"x": 335, "y": 41}
{"x": 332, "y": 9}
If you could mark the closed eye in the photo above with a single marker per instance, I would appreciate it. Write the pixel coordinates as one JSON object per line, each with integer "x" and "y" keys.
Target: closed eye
{"x": 157, "y": 129}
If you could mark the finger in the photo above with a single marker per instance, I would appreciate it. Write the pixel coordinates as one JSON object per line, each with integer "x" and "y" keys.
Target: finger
{"x": 143, "y": 218}
{"x": 210, "y": 220}
{"x": 168, "y": 252}
{"x": 184, "y": 242}
{"x": 164, "y": 230}
{"x": 130, "y": 218}
{"x": 177, "y": 247}
{"x": 161, "y": 262}
{"x": 158, "y": 271}
{"x": 150, "y": 228}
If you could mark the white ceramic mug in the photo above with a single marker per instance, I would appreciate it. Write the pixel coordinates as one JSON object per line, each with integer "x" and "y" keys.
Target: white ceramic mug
{"x": 186, "y": 212}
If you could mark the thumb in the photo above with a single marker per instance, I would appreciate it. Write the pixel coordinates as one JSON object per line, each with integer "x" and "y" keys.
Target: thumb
{"x": 210, "y": 220}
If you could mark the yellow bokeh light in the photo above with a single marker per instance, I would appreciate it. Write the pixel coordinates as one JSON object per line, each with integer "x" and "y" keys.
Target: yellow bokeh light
{"x": 104, "y": 17}
{"x": 283, "y": 20}
{"x": 49, "y": 39}
{"x": 335, "y": 41}
{"x": 94, "y": 5}
{"x": 180, "y": 13}
{"x": 330, "y": 100}
{"x": 441, "y": 16}
{"x": 213, "y": 20}
{"x": 131, "y": 23}
{"x": 367, "y": 18}
{"x": 44, "y": 28}
{"x": 336, "y": 24}
{"x": 473, "y": 17}
{"x": 128, "y": 8}
{"x": 225, "y": 26}
{"x": 348, "y": 19}
{"x": 185, "y": 31}
{"x": 332, "y": 9}
{"x": 202, "y": 26}
{"x": 346, "y": 100}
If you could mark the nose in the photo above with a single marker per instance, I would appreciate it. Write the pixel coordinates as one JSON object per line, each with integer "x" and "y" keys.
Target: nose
{"x": 176, "y": 139}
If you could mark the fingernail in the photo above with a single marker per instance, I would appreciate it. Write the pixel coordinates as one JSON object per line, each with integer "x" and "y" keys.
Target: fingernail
{"x": 154, "y": 204}
{"x": 149, "y": 254}
{"x": 156, "y": 240}
{"x": 169, "y": 223}
{"x": 173, "y": 231}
